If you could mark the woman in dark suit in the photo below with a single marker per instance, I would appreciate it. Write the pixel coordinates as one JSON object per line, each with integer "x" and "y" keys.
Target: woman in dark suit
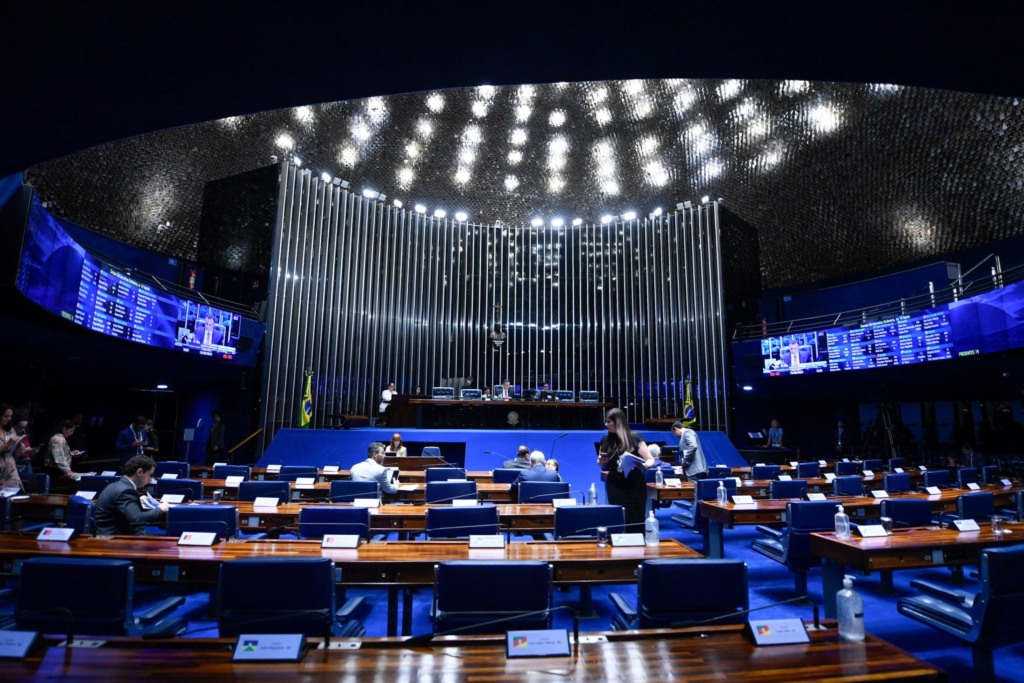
{"x": 628, "y": 490}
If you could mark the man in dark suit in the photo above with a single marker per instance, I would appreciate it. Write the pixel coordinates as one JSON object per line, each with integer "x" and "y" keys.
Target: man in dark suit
{"x": 968, "y": 458}
{"x": 119, "y": 509}
{"x": 520, "y": 462}
{"x": 537, "y": 472}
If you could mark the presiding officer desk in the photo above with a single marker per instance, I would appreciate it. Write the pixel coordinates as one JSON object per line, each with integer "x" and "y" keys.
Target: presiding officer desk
{"x": 710, "y": 653}
{"x": 395, "y": 565}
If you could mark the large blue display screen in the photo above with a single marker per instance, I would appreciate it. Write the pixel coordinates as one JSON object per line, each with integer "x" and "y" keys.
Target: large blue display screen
{"x": 987, "y": 323}
{"x": 65, "y": 279}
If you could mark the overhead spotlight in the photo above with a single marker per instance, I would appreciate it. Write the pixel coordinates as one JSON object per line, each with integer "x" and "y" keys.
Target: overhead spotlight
{"x": 577, "y": 222}
{"x": 161, "y": 386}
{"x": 273, "y": 158}
{"x": 337, "y": 182}
{"x": 397, "y": 203}
{"x": 629, "y": 216}
{"x": 705, "y": 199}
{"x": 420, "y": 208}
{"x": 382, "y": 197}
{"x": 344, "y": 184}
{"x": 606, "y": 219}
{"x": 537, "y": 222}
{"x": 557, "y": 222}
{"x": 297, "y": 161}
{"x": 370, "y": 194}
{"x": 326, "y": 177}
{"x": 461, "y": 216}
{"x": 657, "y": 211}
{"x": 439, "y": 213}
{"x": 747, "y": 387}
{"x": 720, "y": 200}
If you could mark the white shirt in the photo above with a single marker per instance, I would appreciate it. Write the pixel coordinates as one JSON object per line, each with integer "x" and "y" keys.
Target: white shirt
{"x": 385, "y": 399}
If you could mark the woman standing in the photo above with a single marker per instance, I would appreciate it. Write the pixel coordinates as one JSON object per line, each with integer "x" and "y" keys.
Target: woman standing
{"x": 626, "y": 484}
{"x": 59, "y": 455}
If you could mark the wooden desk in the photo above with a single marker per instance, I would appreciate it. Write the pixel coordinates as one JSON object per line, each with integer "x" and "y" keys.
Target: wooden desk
{"x": 713, "y": 653}
{"x": 435, "y": 413}
{"x": 394, "y": 565}
{"x": 413, "y": 492}
{"x": 914, "y": 548}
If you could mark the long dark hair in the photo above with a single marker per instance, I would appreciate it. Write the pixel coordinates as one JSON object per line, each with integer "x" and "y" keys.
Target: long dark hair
{"x": 620, "y": 427}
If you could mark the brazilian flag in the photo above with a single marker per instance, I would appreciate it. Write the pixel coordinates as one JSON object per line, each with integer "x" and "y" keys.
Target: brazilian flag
{"x": 306, "y": 415}
{"x": 689, "y": 414}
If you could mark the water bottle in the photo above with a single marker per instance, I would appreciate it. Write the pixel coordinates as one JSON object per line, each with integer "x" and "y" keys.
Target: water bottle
{"x": 592, "y": 495}
{"x": 850, "y": 609}
{"x": 651, "y": 529}
{"x": 842, "y": 525}
{"x": 723, "y": 493}
{"x": 659, "y": 477}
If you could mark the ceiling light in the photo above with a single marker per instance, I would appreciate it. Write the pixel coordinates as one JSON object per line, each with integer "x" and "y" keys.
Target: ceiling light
{"x": 397, "y": 203}
{"x": 161, "y": 386}
{"x": 557, "y": 222}
{"x": 629, "y": 216}
{"x": 657, "y": 211}
{"x": 420, "y": 208}
{"x": 461, "y": 216}
{"x": 439, "y": 213}
{"x": 537, "y": 222}
{"x": 747, "y": 387}
{"x": 705, "y": 199}
{"x": 326, "y": 176}
{"x": 297, "y": 161}
{"x": 336, "y": 181}
{"x": 577, "y": 221}
{"x": 606, "y": 219}
{"x": 370, "y": 194}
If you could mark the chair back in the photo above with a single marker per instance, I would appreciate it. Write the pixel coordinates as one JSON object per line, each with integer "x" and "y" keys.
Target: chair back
{"x": 447, "y": 491}
{"x": 225, "y": 471}
{"x": 346, "y": 491}
{"x": 897, "y": 463}
{"x": 292, "y": 472}
{"x": 722, "y": 593}
{"x": 192, "y": 489}
{"x": 707, "y": 489}
{"x": 96, "y": 482}
{"x": 979, "y": 505}
{"x": 431, "y": 451}
{"x": 317, "y": 521}
{"x": 850, "y": 485}
{"x": 896, "y": 483}
{"x": 1002, "y": 596}
{"x": 845, "y": 469}
{"x": 873, "y": 464}
{"x": 719, "y": 472}
{"x": 219, "y": 519}
{"x": 797, "y": 488}
{"x": 765, "y": 471}
{"x": 542, "y": 491}
{"x": 444, "y": 473}
{"x": 101, "y": 605}
{"x": 504, "y": 475}
{"x": 468, "y": 593}
{"x": 804, "y": 518}
{"x": 280, "y": 594}
{"x": 80, "y": 515}
{"x": 966, "y": 475}
{"x": 936, "y": 478}
{"x": 37, "y": 482}
{"x": 251, "y": 490}
{"x": 807, "y": 470}
{"x": 182, "y": 469}
{"x": 459, "y": 522}
{"x": 990, "y": 474}
{"x": 906, "y": 512}
{"x": 581, "y": 521}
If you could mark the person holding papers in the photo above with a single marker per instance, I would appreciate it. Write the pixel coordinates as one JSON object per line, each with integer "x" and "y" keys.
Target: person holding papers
{"x": 119, "y": 508}
{"x": 372, "y": 469}
{"x": 622, "y": 454}
{"x": 695, "y": 465}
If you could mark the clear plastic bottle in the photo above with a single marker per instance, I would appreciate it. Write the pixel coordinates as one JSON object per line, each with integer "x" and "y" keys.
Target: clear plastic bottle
{"x": 842, "y": 524}
{"x": 659, "y": 477}
{"x": 651, "y": 528}
{"x": 850, "y": 610}
{"x": 592, "y": 495}
{"x": 722, "y": 493}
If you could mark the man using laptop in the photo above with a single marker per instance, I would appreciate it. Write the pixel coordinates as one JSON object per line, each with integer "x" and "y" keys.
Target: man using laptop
{"x": 119, "y": 509}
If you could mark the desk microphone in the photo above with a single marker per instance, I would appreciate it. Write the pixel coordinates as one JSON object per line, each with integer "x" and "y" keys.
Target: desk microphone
{"x": 801, "y": 598}
{"x": 271, "y": 616}
{"x": 554, "y": 442}
{"x": 425, "y": 638}
{"x": 496, "y": 454}
{"x": 65, "y": 612}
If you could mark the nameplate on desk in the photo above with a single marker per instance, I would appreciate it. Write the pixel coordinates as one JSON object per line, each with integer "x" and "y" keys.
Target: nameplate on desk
{"x": 562, "y": 502}
{"x": 340, "y": 541}
{"x": 486, "y": 541}
{"x": 331, "y": 469}
{"x": 88, "y": 495}
{"x": 822, "y": 463}
{"x": 627, "y": 540}
{"x": 922, "y": 468}
{"x": 269, "y": 647}
{"x": 846, "y": 460}
{"x": 880, "y": 494}
{"x": 16, "y": 644}
{"x": 305, "y": 481}
{"x": 233, "y": 482}
{"x": 1006, "y": 482}
{"x": 273, "y": 468}
{"x": 464, "y": 503}
{"x": 868, "y": 473}
{"x": 973, "y": 486}
{"x": 674, "y": 483}
{"x": 546, "y": 643}
{"x": 871, "y": 530}
{"x": 898, "y": 470}
{"x": 739, "y": 483}
{"x": 266, "y": 502}
{"x": 785, "y": 477}
{"x": 966, "y": 525}
{"x": 218, "y": 464}
{"x": 366, "y": 503}
{"x": 816, "y": 496}
{"x": 829, "y": 476}
{"x": 172, "y": 498}
{"x": 778, "y": 631}
{"x": 56, "y": 534}
{"x": 793, "y": 463}
{"x": 933, "y": 490}
{"x": 759, "y": 464}
{"x": 169, "y": 475}
{"x": 200, "y": 538}
{"x": 743, "y": 500}
{"x": 108, "y": 473}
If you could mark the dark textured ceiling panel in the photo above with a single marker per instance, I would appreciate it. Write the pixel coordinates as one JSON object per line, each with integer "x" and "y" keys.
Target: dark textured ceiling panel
{"x": 836, "y": 178}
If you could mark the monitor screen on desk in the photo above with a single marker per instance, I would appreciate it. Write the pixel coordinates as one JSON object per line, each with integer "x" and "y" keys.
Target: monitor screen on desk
{"x": 471, "y": 394}
{"x": 442, "y": 392}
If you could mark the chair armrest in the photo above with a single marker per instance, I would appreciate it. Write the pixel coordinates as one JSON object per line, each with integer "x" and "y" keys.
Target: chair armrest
{"x": 1009, "y": 513}
{"x": 775, "y": 534}
{"x": 946, "y": 518}
{"x": 954, "y": 597}
{"x": 348, "y": 610}
{"x": 624, "y": 606}
{"x": 160, "y": 609}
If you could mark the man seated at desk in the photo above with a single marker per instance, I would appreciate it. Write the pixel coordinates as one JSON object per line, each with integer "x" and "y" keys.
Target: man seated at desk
{"x": 119, "y": 508}
{"x": 521, "y": 461}
{"x": 372, "y": 469}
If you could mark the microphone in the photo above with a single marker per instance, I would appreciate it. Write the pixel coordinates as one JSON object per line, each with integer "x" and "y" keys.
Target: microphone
{"x": 64, "y": 611}
{"x": 555, "y": 442}
{"x": 496, "y": 454}
{"x": 800, "y": 598}
{"x": 425, "y": 638}
{"x": 561, "y": 494}
{"x": 270, "y": 616}
{"x": 200, "y": 423}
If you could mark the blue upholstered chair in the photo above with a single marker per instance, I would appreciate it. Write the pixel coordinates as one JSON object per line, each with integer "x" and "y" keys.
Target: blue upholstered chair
{"x": 444, "y": 474}
{"x": 293, "y": 472}
{"x": 895, "y": 463}
{"x": 849, "y": 485}
{"x": 990, "y": 474}
{"x": 765, "y": 471}
{"x": 797, "y": 488}
{"x": 182, "y": 469}
{"x": 80, "y": 515}
{"x": 219, "y": 519}
{"x": 225, "y": 471}
{"x": 719, "y": 472}
{"x": 317, "y": 521}
{"x": 504, "y": 475}
{"x": 1016, "y": 513}
{"x": 808, "y": 470}
{"x": 873, "y": 464}
{"x": 302, "y": 599}
{"x": 96, "y": 482}
{"x": 938, "y": 478}
{"x": 447, "y": 491}
{"x": 251, "y": 490}
{"x": 791, "y": 546}
{"x": 896, "y": 483}
{"x": 461, "y": 522}
{"x": 346, "y": 491}
{"x": 37, "y": 482}
{"x": 543, "y": 491}
{"x": 690, "y": 517}
{"x": 470, "y": 594}
{"x": 662, "y": 601}
{"x": 845, "y": 469}
{"x": 581, "y": 521}
{"x": 192, "y": 489}
{"x": 907, "y": 512}
{"x": 987, "y": 619}
{"x": 431, "y": 451}
{"x": 965, "y": 476}
{"x": 979, "y": 506}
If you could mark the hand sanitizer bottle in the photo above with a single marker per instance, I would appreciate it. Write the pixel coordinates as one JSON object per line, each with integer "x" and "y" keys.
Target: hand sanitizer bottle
{"x": 842, "y": 524}
{"x": 850, "y": 610}
{"x": 659, "y": 477}
{"x": 592, "y": 495}
{"x": 723, "y": 493}
{"x": 651, "y": 529}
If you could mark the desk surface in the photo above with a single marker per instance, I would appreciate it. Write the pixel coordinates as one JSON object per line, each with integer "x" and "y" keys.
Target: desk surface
{"x": 635, "y": 655}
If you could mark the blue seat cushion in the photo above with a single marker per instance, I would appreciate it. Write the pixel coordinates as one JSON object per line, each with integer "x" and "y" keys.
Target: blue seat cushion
{"x": 770, "y": 547}
{"x": 937, "y": 613}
